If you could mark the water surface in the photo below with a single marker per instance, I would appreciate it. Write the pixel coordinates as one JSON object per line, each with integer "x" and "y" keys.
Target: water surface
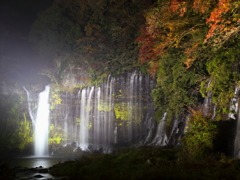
{"x": 33, "y": 161}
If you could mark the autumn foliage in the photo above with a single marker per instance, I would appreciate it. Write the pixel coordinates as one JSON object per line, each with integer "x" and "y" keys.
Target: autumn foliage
{"x": 150, "y": 49}
{"x": 216, "y": 21}
{"x": 186, "y": 45}
{"x": 178, "y": 6}
{"x": 187, "y": 25}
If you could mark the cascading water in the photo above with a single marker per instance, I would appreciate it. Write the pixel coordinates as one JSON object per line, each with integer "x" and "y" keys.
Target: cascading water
{"x": 42, "y": 125}
{"x": 160, "y": 138}
{"x": 39, "y": 114}
{"x": 96, "y": 122}
{"x": 30, "y": 106}
{"x": 84, "y": 117}
{"x": 115, "y": 113}
{"x": 230, "y": 123}
{"x": 234, "y": 107}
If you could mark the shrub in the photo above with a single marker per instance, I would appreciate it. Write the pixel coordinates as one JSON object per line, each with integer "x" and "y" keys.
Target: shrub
{"x": 198, "y": 141}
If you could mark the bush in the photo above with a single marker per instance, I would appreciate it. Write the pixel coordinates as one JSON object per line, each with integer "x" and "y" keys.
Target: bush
{"x": 198, "y": 141}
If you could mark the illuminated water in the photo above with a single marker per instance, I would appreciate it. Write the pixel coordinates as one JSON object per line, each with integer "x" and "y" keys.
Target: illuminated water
{"x": 27, "y": 167}
{"x": 118, "y": 112}
{"x": 42, "y": 125}
{"x": 33, "y": 161}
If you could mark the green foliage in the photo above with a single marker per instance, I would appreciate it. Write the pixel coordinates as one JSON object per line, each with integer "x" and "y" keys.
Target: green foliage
{"x": 224, "y": 75}
{"x": 198, "y": 141}
{"x": 77, "y": 121}
{"x": 15, "y": 128}
{"x": 121, "y": 111}
{"x": 146, "y": 163}
{"x": 55, "y": 98}
{"x": 130, "y": 164}
{"x": 125, "y": 113}
{"x": 143, "y": 69}
{"x": 24, "y": 135}
{"x": 104, "y": 107}
{"x": 175, "y": 83}
{"x": 56, "y": 135}
{"x": 70, "y": 169}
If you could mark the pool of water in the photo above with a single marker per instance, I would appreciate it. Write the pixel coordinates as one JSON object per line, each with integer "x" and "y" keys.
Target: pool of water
{"x": 24, "y": 166}
{"x": 33, "y": 161}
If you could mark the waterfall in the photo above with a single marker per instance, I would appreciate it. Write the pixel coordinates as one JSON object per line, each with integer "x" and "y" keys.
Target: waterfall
{"x": 234, "y": 107}
{"x": 30, "y": 108}
{"x": 39, "y": 114}
{"x": 84, "y": 116}
{"x": 113, "y": 113}
{"x": 83, "y": 123}
{"x": 116, "y": 113}
{"x": 237, "y": 138}
{"x": 160, "y": 138}
{"x": 42, "y": 124}
{"x": 234, "y": 104}
{"x": 97, "y": 119}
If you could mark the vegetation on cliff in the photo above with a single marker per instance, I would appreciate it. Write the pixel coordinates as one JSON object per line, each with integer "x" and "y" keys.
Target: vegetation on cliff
{"x": 97, "y": 34}
{"x": 15, "y": 127}
{"x": 190, "y": 47}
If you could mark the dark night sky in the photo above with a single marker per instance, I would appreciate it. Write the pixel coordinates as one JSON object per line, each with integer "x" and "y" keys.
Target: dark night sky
{"x": 19, "y": 59}
{"x": 18, "y": 15}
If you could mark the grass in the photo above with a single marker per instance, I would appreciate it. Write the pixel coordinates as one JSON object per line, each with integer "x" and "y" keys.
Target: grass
{"x": 147, "y": 163}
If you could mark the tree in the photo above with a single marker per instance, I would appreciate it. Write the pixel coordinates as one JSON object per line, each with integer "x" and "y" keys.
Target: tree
{"x": 103, "y": 32}
{"x": 199, "y": 34}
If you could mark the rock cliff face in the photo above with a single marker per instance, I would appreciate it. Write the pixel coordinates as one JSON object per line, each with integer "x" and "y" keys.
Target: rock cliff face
{"x": 116, "y": 113}
{"x": 73, "y": 75}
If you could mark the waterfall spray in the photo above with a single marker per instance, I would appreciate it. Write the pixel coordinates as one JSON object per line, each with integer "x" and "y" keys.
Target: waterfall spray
{"x": 31, "y": 114}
